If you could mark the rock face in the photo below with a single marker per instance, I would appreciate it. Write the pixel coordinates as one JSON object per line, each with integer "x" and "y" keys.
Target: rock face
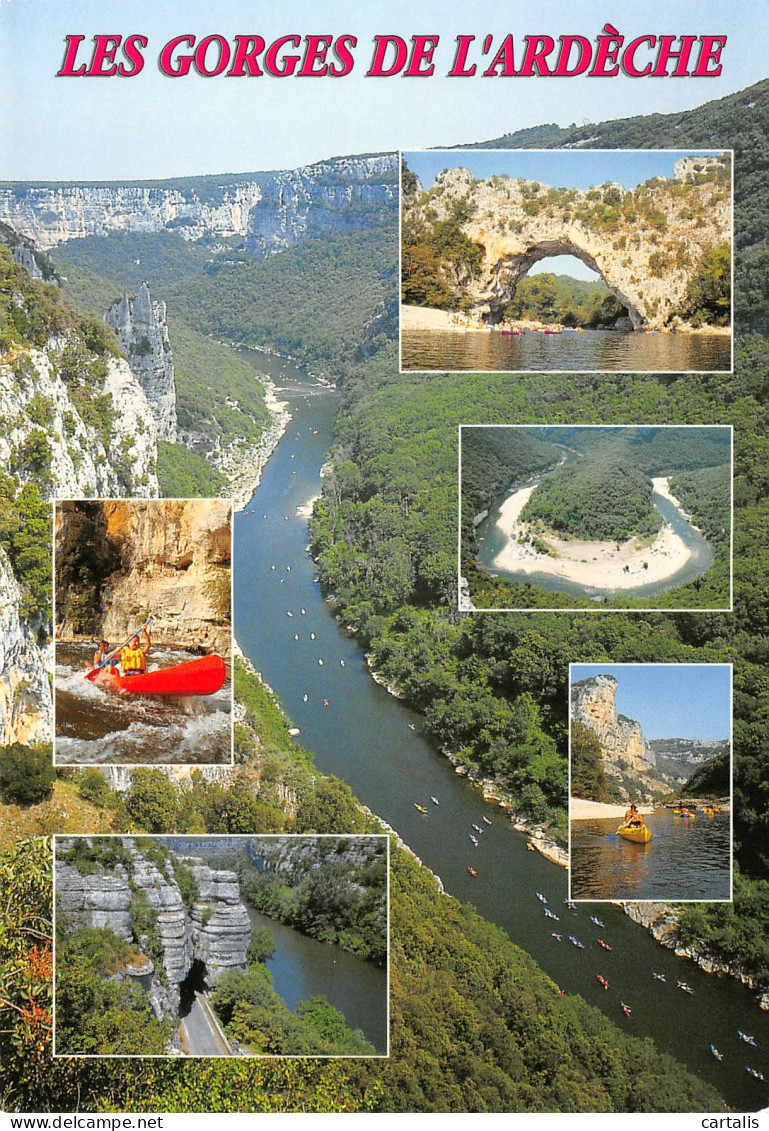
{"x": 141, "y": 328}
{"x": 645, "y": 253}
{"x": 622, "y": 740}
{"x": 82, "y": 464}
{"x": 291, "y": 857}
{"x": 217, "y": 930}
{"x": 333, "y": 196}
{"x": 175, "y": 563}
{"x": 221, "y": 926}
{"x": 26, "y": 708}
{"x": 50, "y": 215}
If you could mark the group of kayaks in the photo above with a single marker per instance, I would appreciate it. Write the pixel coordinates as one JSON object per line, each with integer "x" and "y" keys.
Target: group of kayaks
{"x": 475, "y": 835}
{"x": 754, "y": 1072}
{"x": 656, "y": 974}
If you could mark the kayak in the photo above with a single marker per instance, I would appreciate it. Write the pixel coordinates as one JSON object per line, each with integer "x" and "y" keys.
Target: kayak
{"x": 639, "y": 834}
{"x": 195, "y": 677}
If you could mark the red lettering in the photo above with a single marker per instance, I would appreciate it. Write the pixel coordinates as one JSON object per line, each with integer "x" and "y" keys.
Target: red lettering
{"x": 223, "y": 56}
{"x": 459, "y": 70}
{"x": 538, "y": 47}
{"x": 287, "y": 65}
{"x": 180, "y": 66}
{"x": 710, "y": 52}
{"x": 317, "y": 48}
{"x": 104, "y": 51}
{"x": 246, "y": 51}
{"x": 666, "y": 54}
{"x": 132, "y": 52}
{"x": 383, "y": 43}
{"x": 68, "y": 66}
{"x": 503, "y": 57}
{"x": 422, "y": 50}
{"x": 628, "y": 57}
{"x": 343, "y": 51}
{"x": 582, "y": 63}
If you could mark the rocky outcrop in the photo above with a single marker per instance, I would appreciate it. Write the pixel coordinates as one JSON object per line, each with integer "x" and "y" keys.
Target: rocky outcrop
{"x": 141, "y": 328}
{"x": 622, "y": 741}
{"x": 292, "y": 857}
{"x": 25, "y": 691}
{"x": 51, "y": 214}
{"x": 645, "y": 245}
{"x": 343, "y": 195}
{"x": 80, "y": 460}
{"x": 661, "y": 921}
{"x": 126, "y": 895}
{"x": 221, "y": 927}
{"x": 175, "y": 563}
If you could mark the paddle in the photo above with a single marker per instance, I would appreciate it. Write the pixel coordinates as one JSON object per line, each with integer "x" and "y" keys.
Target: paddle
{"x": 92, "y": 674}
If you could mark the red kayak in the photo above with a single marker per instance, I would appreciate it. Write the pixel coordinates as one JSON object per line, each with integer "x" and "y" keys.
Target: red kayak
{"x": 196, "y": 677}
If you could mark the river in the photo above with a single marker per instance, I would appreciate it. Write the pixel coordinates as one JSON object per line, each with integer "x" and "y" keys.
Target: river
{"x": 685, "y": 859}
{"x": 592, "y": 351}
{"x": 491, "y": 540}
{"x": 375, "y": 743}
{"x": 95, "y": 725}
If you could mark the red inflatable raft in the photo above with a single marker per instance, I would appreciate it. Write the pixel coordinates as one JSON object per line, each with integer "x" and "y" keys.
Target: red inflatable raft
{"x": 196, "y": 677}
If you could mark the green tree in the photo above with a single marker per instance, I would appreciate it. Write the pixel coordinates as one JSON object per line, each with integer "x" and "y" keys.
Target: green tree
{"x": 152, "y": 800}
{"x": 27, "y": 774}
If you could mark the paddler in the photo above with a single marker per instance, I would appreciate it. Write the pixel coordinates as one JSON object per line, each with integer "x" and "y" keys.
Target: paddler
{"x": 101, "y": 653}
{"x": 632, "y": 816}
{"x": 133, "y": 657}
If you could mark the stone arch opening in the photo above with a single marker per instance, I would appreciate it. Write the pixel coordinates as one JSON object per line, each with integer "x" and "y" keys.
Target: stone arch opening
{"x": 509, "y": 270}
{"x": 195, "y": 982}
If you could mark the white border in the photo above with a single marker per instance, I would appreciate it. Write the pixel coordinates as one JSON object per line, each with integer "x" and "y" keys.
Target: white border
{"x": 653, "y": 899}
{"x": 230, "y": 837}
{"x": 576, "y": 609}
{"x": 456, "y": 153}
{"x": 142, "y": 501}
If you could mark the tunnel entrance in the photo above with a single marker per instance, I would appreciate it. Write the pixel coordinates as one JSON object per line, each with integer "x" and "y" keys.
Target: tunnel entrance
{"x": 195, "y": 982}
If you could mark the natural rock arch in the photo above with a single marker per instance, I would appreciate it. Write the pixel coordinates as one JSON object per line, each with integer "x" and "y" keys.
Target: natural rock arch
{"x": 511, "y": 270}
{"x": 646, "y": 243}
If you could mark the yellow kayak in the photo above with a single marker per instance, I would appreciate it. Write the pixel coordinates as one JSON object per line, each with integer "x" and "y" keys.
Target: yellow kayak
{"x": 639, "y": 834}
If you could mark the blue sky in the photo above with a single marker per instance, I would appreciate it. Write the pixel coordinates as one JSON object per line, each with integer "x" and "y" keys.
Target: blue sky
{"x": 154, "y": 126}
{"x": 580, "y": 169}
{"x": 670, "y": 700}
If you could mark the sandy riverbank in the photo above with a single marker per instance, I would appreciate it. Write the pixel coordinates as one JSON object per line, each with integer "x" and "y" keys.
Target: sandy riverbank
{"x": 597, "y": 565}
{"x": 428, "y": 318}
{"x": 581, "y": 810}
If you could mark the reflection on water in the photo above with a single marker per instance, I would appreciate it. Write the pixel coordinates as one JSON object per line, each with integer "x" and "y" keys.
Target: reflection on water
{"x": 99, "y": 726}
{"x": 566, "y": 352}
{"x": 685, "y": 859}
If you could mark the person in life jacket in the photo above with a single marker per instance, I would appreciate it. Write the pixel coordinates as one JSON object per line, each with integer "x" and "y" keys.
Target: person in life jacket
{"x": 133, "y": 658}
{"x": 101, "y": 653}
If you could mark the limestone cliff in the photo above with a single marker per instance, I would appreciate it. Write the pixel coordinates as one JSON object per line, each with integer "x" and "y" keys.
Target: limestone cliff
{"x": 51, "y": 214}
{"x": 646, "y": 244}
{"x": 81, "y": 458}
{"x": 76, "y": 423}
{"x": 25, "y": 691}
{"x": 333, "y": 196}
{"x": 622, "y": 741}
{"x": 142, "y": 330}
{"x": 175, "y": 563}
{"x": 270, "y": 212}
{"x": 141, "y": 887}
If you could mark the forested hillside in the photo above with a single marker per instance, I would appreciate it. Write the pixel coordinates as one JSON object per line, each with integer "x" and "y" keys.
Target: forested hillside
{"x": 476, "y": 1026}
